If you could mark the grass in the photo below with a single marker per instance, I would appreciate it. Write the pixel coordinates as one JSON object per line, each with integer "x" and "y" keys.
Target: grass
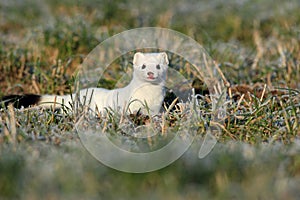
{"x": 255, "y": 44}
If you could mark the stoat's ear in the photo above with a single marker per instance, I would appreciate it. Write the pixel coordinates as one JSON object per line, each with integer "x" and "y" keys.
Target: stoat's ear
{"x": 164, "y": 58}
{"x": 137, "y": 59}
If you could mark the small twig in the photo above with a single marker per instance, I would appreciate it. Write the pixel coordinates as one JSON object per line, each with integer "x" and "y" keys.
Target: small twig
{"x": 239, "y": 102}
{"x": 172, "y": 105}
{"x": 35, "y": 85}
{"x": 286, "y": 119}
{"x": 226, "y": 83}
{"x": 263, "y": 93}
{"x": 258, "y": 42}
{"x": 223, "y": 128}
{"x": 230, "y": 92}
{"x": 12, "y": 123}
{"x": 206, "y": 65}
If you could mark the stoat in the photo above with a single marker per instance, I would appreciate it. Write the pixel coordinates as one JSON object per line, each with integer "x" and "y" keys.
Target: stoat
{"x": 145, "y": 92}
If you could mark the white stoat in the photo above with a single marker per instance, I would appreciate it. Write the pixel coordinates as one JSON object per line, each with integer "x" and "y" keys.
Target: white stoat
{"x": 144, "y": 92}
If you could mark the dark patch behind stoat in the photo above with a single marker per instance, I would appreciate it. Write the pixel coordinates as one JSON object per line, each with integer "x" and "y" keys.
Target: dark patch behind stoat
{"x": 19, "y": 101}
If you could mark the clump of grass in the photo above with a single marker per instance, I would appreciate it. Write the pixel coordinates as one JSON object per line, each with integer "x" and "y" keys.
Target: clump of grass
{"x": 18, "y": 126}
{"x": 268, "y": 116}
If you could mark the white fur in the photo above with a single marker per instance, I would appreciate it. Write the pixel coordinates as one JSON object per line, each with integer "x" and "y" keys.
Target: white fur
{"x": 145, "y": 88}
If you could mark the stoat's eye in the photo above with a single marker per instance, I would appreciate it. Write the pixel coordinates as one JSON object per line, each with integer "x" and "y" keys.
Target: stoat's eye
{"x": 143, "y": 66}
{"x": 157, "y": 66}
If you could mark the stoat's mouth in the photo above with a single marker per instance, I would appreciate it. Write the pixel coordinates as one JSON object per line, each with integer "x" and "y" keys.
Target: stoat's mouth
{"x": 151, "y": 78}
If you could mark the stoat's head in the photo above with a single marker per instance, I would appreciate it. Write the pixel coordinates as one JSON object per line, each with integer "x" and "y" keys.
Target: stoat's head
{"x": 151, "y": 67}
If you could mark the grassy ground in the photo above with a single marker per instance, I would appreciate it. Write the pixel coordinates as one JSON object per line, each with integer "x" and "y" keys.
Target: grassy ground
{"x": 255, "y": 43}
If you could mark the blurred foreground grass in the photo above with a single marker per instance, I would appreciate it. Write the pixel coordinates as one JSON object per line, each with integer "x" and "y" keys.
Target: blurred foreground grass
{"x": 256, "y": 44}
{"x": 231, "y": 171}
